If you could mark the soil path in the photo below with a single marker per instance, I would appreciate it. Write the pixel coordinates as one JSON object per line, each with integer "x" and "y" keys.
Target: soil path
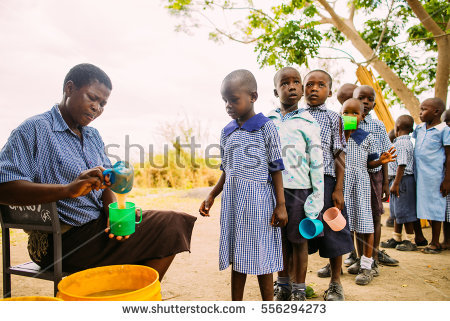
{"x": 195, "y": 275}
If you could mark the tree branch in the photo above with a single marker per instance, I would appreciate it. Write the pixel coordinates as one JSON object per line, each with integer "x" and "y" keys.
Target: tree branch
{"x": 352, "y": 12}
{"x": 247, "y": 8}
{"x": 419, "y": 39}
{"x": 384, "y": 29}
{"x": 228, "y": 35}
{"x": 231, "y": 37}
{"x": 425, "y": 18}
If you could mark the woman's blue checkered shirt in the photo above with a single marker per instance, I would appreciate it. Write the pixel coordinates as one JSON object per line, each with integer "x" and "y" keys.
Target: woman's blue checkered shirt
{"x": 44, "y": 150}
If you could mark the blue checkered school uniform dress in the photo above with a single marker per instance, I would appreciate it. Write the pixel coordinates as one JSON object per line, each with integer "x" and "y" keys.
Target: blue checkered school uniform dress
{"x": 44, "y": 150}
{"x": 429, "y": 170}
{"x": 361, "y": 148}
{"x": 247, "y": 240}
{"x": 447, "y": 209}
{"x": 380, "y": 136}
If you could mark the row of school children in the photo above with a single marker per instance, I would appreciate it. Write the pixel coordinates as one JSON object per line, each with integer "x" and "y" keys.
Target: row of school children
{"x": 295, "y": 163}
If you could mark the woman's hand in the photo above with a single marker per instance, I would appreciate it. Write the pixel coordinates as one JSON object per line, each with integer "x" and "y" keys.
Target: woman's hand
{"x": 206, "y": 205}
{"x": 87, "y": 181}
{"x": 279, "y": 216}
{"x": 118, "y": 237}
{"x": 111, "y": 236}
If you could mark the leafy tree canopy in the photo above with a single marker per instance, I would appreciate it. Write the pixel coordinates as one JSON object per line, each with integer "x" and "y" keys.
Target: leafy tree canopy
{"x": 292, "y": 32}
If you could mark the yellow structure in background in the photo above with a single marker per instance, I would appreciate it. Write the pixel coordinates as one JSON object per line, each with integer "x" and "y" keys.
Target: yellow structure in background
{"x": 366, "y": 77}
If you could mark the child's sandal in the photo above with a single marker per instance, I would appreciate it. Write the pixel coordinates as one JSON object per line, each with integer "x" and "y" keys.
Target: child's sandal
{"x": 430, "y": 250}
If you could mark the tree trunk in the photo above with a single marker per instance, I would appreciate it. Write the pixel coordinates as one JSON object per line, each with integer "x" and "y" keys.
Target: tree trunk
{"x": 396, "y": 84}
{"x": 443, "y": 69}
{"x": 443, "y": 44}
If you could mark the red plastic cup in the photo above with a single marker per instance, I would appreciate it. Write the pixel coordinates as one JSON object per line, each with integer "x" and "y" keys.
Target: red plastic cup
{"x": 334, "y": 218}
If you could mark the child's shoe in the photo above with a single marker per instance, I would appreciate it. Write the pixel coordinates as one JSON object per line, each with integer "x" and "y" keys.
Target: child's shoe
{"x": 298, "y": 296}
{"x": 406, "y": 246}
{"x": 325, "y": 272}
{"x": 364, "y": 277}
{"x": 390, "y": 244}
{"x": 350, "y": 259}
{"x": 375, "y": 269}
{"x": 355, "y": 267}
{"x": 390, "y": 222}
{"x": 335, "y": 292}
{"x": 385, "y": 259}
{"x": 280, "y": 293}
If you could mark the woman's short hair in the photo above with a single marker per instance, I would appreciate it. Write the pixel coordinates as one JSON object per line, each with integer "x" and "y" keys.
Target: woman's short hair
{"x": 85, "y": 74}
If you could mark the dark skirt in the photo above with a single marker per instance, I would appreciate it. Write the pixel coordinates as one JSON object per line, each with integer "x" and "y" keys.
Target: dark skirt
{"x": 295, "y": 207}
{"x": 160, "y": 234}
{"x": 403, "y": 208}
{"x": 376, "y": 193}
{"x": 332, "y": 244}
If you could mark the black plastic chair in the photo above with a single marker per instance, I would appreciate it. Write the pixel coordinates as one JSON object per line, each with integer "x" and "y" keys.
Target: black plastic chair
{"x": 36, "y": 217}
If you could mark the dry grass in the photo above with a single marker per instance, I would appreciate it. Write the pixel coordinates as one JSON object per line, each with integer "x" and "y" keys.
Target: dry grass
{"x": 176, "y": 170}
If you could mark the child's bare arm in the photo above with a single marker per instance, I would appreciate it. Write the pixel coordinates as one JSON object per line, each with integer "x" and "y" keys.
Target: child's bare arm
{"x": 209, "y": 201}
{"x": 385, "y": 194}
{"x": 279, "y": 216}
{"x": 385, "y": 158}
{"x": 445, "y": 186}
{"x": 338, "y": 193}
{"x": 395, "y": 188}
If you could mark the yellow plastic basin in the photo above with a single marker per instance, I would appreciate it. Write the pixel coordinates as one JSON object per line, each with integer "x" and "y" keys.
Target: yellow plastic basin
{"x": 112, "y": 283}
{"x": 32, "y": 298}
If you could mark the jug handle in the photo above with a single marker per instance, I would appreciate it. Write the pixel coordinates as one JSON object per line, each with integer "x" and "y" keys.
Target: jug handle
{"x": 140, "y": 214}
{"x": 112, "y": 176}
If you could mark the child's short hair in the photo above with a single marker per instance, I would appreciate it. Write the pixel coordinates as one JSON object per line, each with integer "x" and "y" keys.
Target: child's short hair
{"x": 445, "y": 114}
{"x": 277, "y": 74}
{"x": 244, "y": 77}
{"x": 391, "y": 135}
{"x": 438, "y": 103}
{"x": 406, "y": 123}
{"x": 85, "y": 74}
{"x": 345, "y": 92}
{"x": 353, "y": 100}
{"x": 364, "y": 87}
{"x": 330, "y": 80}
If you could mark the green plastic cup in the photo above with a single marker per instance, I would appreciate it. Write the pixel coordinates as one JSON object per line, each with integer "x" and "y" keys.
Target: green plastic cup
{"x": 350, "y": 122}
{"x": 123, "y": 221}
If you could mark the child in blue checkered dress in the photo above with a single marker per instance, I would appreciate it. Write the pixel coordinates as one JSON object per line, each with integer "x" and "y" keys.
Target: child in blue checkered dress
{"x": 446, "y": 243}
{"x": 361, "y": 155}
{"x": 379, "y": 181}
{"x": 253, "y": 205}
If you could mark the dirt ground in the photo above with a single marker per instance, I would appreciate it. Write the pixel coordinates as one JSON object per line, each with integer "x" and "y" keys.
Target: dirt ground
{"x": 195, "y": 276}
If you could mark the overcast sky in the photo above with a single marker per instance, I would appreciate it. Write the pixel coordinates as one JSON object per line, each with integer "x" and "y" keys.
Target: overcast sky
{"x": 159, "y": 76}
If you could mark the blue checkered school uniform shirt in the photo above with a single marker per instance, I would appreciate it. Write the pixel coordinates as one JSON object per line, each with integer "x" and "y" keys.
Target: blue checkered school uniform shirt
{"x": 44, "y": 150}
{"x": 405, "y": 156}
{"x": 331, "y": 135}
{"x": 381, "y": 138}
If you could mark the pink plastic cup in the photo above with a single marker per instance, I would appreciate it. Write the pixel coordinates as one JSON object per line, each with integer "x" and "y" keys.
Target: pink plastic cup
{"x": 334, "y": 218}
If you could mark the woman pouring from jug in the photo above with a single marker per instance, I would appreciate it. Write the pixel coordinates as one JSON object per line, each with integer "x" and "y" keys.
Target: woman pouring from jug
{"x": 57, "y": 157}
